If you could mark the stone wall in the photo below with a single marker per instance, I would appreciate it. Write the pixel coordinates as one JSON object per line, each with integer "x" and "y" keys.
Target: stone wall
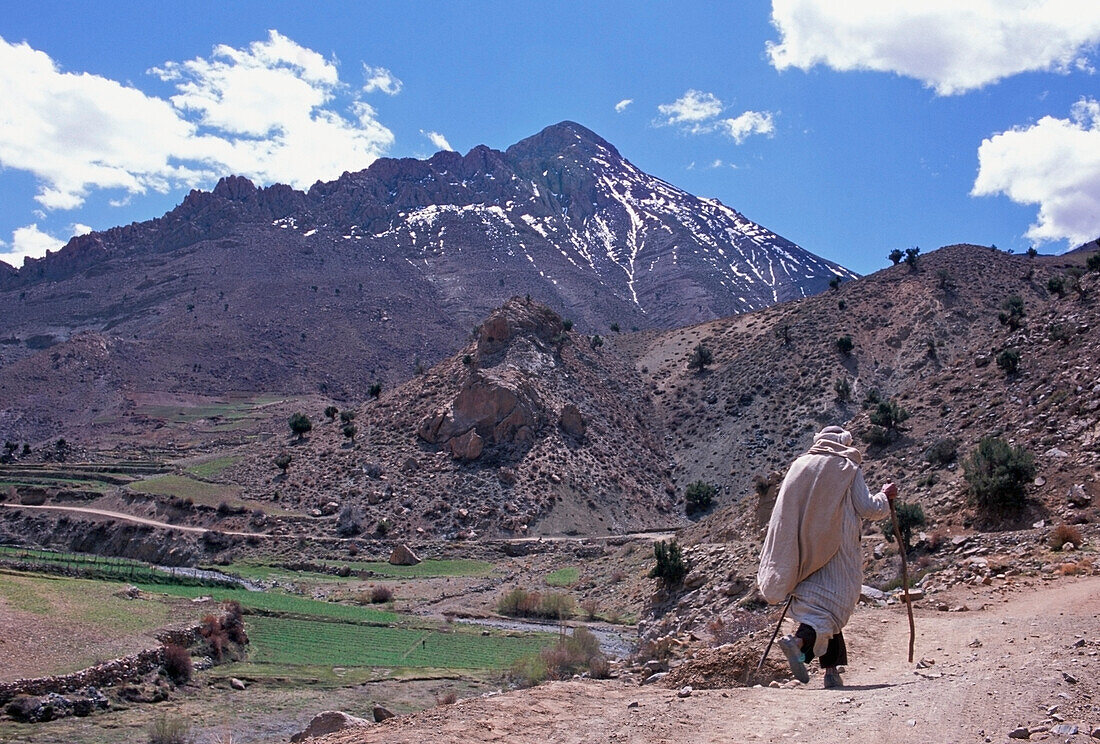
{"x": 106, "y": 674}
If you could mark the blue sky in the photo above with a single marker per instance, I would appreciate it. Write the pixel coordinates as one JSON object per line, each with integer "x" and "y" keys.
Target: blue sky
{"x": 851, "y": 128}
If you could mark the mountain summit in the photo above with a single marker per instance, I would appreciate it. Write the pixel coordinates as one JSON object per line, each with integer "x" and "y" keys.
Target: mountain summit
{"x": 374, "y": 274}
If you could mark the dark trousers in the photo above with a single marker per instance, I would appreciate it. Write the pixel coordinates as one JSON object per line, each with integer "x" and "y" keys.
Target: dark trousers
{"x": 836, "y": 654}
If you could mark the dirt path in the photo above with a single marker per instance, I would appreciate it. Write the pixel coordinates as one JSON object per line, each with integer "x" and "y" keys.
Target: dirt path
{"x": 129, "y": 518}
{"x": 999, "y": 665}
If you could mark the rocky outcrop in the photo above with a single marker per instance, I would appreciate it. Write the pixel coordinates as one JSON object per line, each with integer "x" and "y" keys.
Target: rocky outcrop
{"x": 571, "y": 421}
{"x": 327, "y": 722}
{"x": 487, "y": 411}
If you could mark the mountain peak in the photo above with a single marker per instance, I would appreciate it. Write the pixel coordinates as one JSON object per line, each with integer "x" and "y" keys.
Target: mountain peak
{"x": 558, "y": 138}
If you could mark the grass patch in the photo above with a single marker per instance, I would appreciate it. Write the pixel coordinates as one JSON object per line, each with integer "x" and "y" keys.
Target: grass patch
{"x": 293, "y": 642}
{"x": 283, "y": 604}
{"x": 210, "y": 494}
{"x": 428, "y": 569}
{"x": 564, "y": 577}
{"x": 267, "y": 572}
{"x": 212, "y": 468}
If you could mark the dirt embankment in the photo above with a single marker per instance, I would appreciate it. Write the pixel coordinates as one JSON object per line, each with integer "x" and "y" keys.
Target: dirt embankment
{"x": 1028, "y": 657}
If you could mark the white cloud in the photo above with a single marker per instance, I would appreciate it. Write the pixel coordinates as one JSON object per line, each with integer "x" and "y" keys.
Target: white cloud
{"x": 438, "y": 140}
{"x": 621, "y": 105}
{"x": 748, "y": 123}
{"x": 270, "y": 111}
{"x": 691, "y": 108}
{"x": 80, "y": 229}
{"x": 381, "y": 79}
{"x": 30, "y": 242}
{"x": 717, "y": 163}
{"x": 948, "y": 45}
{"x": 1055, "y": 163}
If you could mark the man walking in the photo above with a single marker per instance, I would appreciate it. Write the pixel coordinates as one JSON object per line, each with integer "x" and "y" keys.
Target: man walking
{"x": 811, "y": 552}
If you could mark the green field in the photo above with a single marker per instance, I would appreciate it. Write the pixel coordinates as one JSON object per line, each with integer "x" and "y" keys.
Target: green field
{"x": 425, "y": 570}
{"x": 564, "y": 577}
{"x": 212, "y": 468}
{"x": 209, "y": 494}
{"x": 286, "y": 604}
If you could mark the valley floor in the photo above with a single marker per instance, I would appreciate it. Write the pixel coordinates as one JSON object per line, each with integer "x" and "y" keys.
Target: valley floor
{"x": 1025, "y": 655}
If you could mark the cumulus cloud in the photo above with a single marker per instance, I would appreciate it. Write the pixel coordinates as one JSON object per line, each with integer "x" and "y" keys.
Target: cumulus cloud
{"x": 748, "y": 123}
{"x": 1055, "y": 164}
{"x": 690, "y": 109}
{"x": 271, "y": 111}
{"x": 621, "y": 105}
{"x": 381, "y": 79}
{"x": 697, "y": 112}
{"x": 28, "y": 242}
{"x": 438, "y": 140}
{"x": 950, "y": 46}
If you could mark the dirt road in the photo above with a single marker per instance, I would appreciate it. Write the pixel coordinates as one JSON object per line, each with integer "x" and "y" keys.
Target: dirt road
{"x": 127, "y": 518}
{"x": 1019, "y": 656}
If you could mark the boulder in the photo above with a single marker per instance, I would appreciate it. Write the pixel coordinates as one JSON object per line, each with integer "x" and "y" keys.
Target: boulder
{"x": 492, "y": 409}
{"x": 403, "y": 555}
{"x": 381, "y": 714}
{"x": 468, "y": 446}
{"x": 1078, "y": 496}
{"x": 327, "y": 722}
{"x": 571, "y": 421}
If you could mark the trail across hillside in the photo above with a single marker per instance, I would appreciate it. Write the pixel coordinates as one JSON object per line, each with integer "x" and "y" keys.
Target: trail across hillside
{"x": 128, "y": 518}
{"x": 1024, "y": 659}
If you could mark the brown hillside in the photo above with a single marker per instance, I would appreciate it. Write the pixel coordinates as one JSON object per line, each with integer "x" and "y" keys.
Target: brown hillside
{"x": 926, "y": 338}
{"x": 530, "y": 429}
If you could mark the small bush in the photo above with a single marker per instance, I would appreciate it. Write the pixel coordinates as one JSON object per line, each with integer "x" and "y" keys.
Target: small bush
{"x": 1056, "y": 285}
{"x": 910, "y": 516}
{"x": 375, "y": 389}
{"x": 998, "y": 474}
{"x": 670, "y": 567}
{"x": 944, "y": 452}
{"x": 1009, "y": 361}
{"x": 556, "y": 606}
{"x": 282, "y": 461}
{"x": 519, "y": 602}
{"x": 1063, "y": 534}
{"x": 528, "y": 671}
{"x": 450, "y": 697}
{"x": 1093, "y": 262}
{"x": 911, "y": 257}
{"x": 896, "y": 255}
{"x": 380, "y": 594}
{"x": 567, "y": 324}
{"x": 889, "y": 415}
{"x": 579, "y": 652}
{"x": 591, "y": 608}
{"x": 300, "y": 425}
{"x": 347, "y": 416}
{"x": 1012, "y": 312}
{"x": 698, "y": 497}
{"x": 845, "y": 344}
{"x": 170, "y": 730}
{"x": 330, "y": 412}
{"x": 177, "y": 664}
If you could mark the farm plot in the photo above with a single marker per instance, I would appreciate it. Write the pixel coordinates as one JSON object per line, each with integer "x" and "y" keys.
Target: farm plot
{"x": 309, "y": 642}
{"x": 431, "y": 568}
{"x": 282, "y": 604}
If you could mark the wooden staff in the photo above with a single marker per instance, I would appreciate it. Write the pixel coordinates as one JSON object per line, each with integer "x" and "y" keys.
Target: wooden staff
{"x": 776, "y": 633}
{"x": 904, "y": 578}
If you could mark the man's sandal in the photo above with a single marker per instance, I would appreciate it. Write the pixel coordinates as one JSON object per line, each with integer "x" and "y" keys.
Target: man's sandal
{"x": 794, "y": 658}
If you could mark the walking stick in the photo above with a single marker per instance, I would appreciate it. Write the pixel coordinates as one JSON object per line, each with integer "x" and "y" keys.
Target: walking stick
{"x": 904, "y": 578}
{"x": 777, "y": 627}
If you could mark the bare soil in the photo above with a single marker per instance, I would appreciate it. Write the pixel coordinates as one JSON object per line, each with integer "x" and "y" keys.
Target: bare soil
{"x": 1023, "y": 654}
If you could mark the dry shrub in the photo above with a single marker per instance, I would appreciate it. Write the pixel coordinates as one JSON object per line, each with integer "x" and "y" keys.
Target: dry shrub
{"x": 450, "y": 697}
{"x": 616, "y": 577}
{"x": 576, "y": 653}
{"x": 216, "y": 638}
{"x": 1063, "y": 534}
{"x": 380, "y": 594}
{"x": 170, "y": 730}
{"x": 233, "y": 622}
{"x": 591, "y": 607}
{"x": 177, "y": 663}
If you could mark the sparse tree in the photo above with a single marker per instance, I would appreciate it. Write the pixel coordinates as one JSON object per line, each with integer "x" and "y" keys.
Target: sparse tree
{"x": 1009, "y": 361}
{"x": 567, "y": 324}
{"x": 1093, "y": 262}
{"x": 596, "y": 342}
{"x": 701, "y": 358}
{"x": 615, "y": 327}
{"x": 834, "y": 283}
{"x": 889, "y": 415}
{"x": 375, "y": 389}
{"x": 300, "y": 424}
{"x": 1032, "y": 252}
{"x": 910, "y": 516}
{"x": 671, "y": 567}
{"x": 1012, "y": 312}
{"x": 845, "y": 344}
{"x": 698, "y": 497}
{"x": 843, "y": 389}
{"x": 896, "y": 255}
{"x": 330, "y": 412}
{"x": 783, "y": 333}
{"x": 1056, "y": 285}
{"x": 946, "y": 283}
{"x": 347, "y": 416}
{"x": 349, "y": 431}
{"x": 911, "y": 257}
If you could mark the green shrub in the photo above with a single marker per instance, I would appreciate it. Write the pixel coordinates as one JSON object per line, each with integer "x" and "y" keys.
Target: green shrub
{"x": 670, "y": 567}
{"x": 698, "y": 497}
{"x": 889, "y": 415}
{"x": 879, "y": 436}
{"x": 909, "y": 516}
{"x": 944, "y": 452}
{"x": 834, "y": 283}
{"x": 1093, "y": 262}
{"x": 1009, "y": 361}
{"x": 567, "y": 324}
{"x": 843, "y": 389}
{"x": 375, "y": 389}
{"x": 1012, "y": 312}
{"x": 300, "y": 424}
{"x": 349, "y": 431}
{"x": 845, "y": 344}
{"x": 1056, "y": 285}
{"x": 911, "y": 257}
{"x": 998, "y": 474}
{"x": 896, "y": 255}
{"x": 330, "y": 412}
